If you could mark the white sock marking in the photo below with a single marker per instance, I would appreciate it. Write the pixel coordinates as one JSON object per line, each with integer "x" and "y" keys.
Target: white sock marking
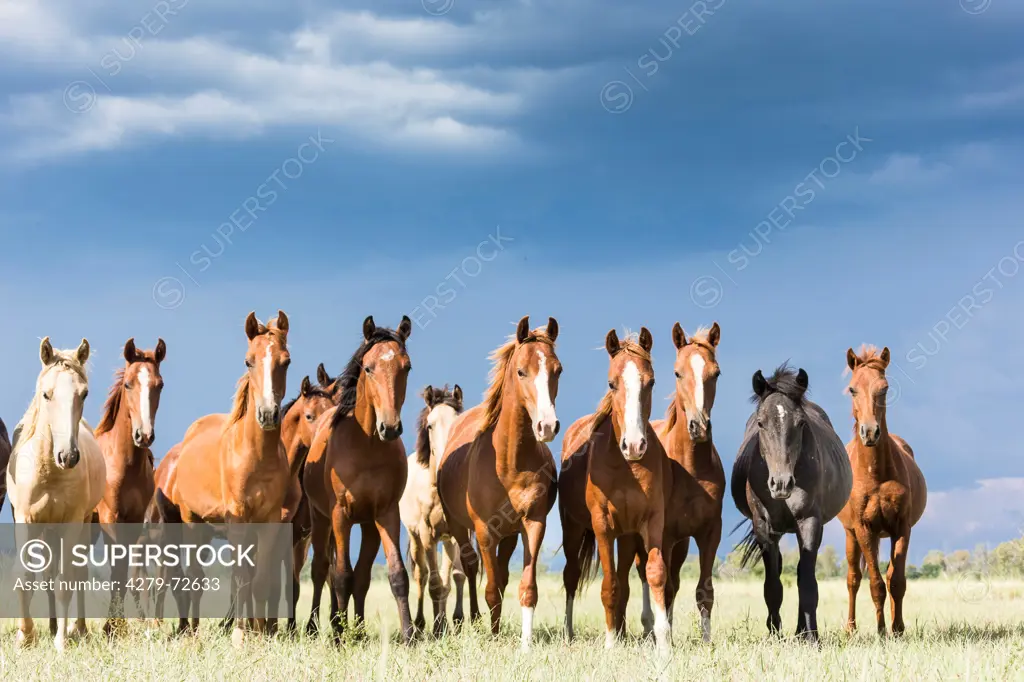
{"x": 662, "y": 628}
{"x": 609, "y": 639}
{"x": 527, "y": 626}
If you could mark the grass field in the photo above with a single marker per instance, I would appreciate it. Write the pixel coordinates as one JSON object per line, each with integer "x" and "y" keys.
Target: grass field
{"x": 966, "y": 630}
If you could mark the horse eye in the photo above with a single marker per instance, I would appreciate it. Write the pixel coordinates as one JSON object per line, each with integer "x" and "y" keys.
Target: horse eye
{"x": 128, "y": 385}
{"x": 678, "y": 375}
{"x": 286, "y": 362}
{"x": 368, "y": 370}
{"x": 611, "y": 385}
{"x": 309, "y": 417}
{"x": 85, "y": 394}
{"x": 248, "y": 364}
{"x": 759, "y": 423}
{"x": 717, "y": 374}
{"x": 521, "y": 373}
{"x": 853, "y": 391}
{"x": 47, "y": 396}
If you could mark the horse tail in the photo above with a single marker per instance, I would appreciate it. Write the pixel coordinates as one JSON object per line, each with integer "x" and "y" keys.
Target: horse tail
{"x": 586, "y": 555}
{"x": 749, "y": 546}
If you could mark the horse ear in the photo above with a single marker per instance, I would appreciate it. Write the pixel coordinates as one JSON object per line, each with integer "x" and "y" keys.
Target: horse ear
{"x": 305, "y": 387}
{"x": 457, "y": 394}
{"x": 83, "y": 352}
{"x": 851, "y": 359}
{"x": 646, "y": 340}
{"x": 428, "y": 395}
{"x": 161, "y": 351}
{"x": 252, "y": 326}
{"x": 129, "y": 350}
{"x": 405, "y": 328}
{"x": 523, "y": 329}
{"x": 760, "y": 385}
{"x": 368, "y": 327}
{"x": 322, "y": 377}
{"x": 46, "y": 352}
{"x": 885, "y": 357}
{"x": 611, "y": 342}
{"x": 282, "y": 321}
{"x": 715, "y": 335}
{"x": 552, "y": 328}
{"x": 678, "y": 336}
{"x": 801, "y": 379}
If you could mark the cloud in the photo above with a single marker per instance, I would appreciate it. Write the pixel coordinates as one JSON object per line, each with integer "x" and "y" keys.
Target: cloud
{"x": 992, "y": 511}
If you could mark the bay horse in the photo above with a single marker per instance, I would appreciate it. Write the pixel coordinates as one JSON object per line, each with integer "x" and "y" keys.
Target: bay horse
{"x": 694, "y": 506}
{"x": 355, "y": 473}
{"x": 232, "y": 468}
{"x": 791, "y": 475}
{"x": 5, "y": 456}
{"x": 421, "y": 512}
{"x": 613, "y": 484}
{"x": 56, "y": 472}
{"x": 889, "y": 491}
{"x": 499, "y": 445}
{"x": 125, "y": 434}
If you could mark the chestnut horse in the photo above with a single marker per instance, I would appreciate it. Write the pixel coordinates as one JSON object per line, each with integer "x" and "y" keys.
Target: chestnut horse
{"x": 355, "y": 473}
{"x": 56, "y": 473}
{"x": 698, "y": 480}
{"x": 500, "y": 446}
{"x": 791, "y": 475}
{"x": 232, "y": 468}
{"x": 124, "y": 434}
{"x": 613, "y": 484}
{"x": 889, "y": 491}
{"x": 422, "y": 514}
{"x": 5, "y": 456}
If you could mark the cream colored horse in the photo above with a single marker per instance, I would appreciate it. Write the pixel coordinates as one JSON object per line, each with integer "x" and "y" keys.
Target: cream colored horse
{"x": 421, "y": 511}
{"x": 56, "y": 473}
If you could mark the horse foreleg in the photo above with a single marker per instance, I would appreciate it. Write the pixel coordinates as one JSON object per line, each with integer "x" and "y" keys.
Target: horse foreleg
{"x": 492, "y": 593}
{"x": 898, "y": 578}
{"x": 624, "y": 563}
{"x": 533, "y": 538}
{"x": 809, "y": 536}
{"x": 707, "y": 545}
{"x": 853, "y": 577}
{"x": 675, "y": 553}
{"x": 646, "y": 614}
{"x": 436, "y": 586}
{"x": 320, "y": 533}
{"x": 573, "y": 535}
{"x": 657, "y": 578}
{"x": 610, "y": 581}
{"x": 451, "y": 569}
{"x": 341, "y": 570}
{"x": 772, "y": 559}
{"x": 368, "y": 548}
{"x": 389, "y": 525}
{"x": 419, "y": 580}
{"x": 868, "y": 542}
{"x": 470, "y": 562}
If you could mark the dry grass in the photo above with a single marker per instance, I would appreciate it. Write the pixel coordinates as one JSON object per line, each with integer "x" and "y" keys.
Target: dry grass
{"x": 956, "y": 630}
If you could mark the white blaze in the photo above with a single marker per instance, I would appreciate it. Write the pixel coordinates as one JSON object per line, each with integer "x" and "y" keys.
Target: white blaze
{"x": 635, "y": 430}
{"x": 782, "y": 412}
{"x": 697, "y": 364}
{"x": 147, "y": 422}
{"x": 268, "y": 379}
{"x": 388, "y": 356}
{"x": 545, "y": 408}
{"x": 65, "y": 430}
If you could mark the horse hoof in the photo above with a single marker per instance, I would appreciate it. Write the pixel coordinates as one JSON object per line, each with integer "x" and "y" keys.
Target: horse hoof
{"x": 238, "y": 638}
{"x": 24, "y": 640}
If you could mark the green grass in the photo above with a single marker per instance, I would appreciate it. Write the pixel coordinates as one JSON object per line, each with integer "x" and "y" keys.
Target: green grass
{"x": 956, "y": 630}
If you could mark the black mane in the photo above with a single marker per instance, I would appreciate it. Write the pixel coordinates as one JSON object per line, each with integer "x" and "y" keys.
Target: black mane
{"x": 783, "y": 381}
{"x": 438, "y": 396}
{"x": 348, "y": 380}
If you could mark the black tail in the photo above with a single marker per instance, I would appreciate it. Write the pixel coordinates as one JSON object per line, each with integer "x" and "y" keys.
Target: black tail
{"x": 749, "y": 545}
{"x": 587, "y": 553}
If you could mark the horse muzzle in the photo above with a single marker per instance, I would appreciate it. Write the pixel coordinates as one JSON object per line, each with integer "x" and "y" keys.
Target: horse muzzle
{"x": 143, "y": 440}
{"x": 389, "y": 431}
{"x": 68, "y": 459}
{"x": 269, "y": 418}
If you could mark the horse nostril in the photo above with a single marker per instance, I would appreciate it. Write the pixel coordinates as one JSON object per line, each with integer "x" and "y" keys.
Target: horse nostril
{"x": 643, "y": 445}
{"x": 622, "y": 445}
{"x": 558, "y": 425}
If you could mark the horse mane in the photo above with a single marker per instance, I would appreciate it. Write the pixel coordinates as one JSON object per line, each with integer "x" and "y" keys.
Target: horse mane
{"x": 784, "y": 381}
{"x": 68, "y": 359}
{"x": 348, "y": 381}
{"x": 438, "y": 396}
{"x": 500, "y": 358}
{"x": 240, "y": 404}
{"x": 870, "y": 356}
{"x": 113, "y": 404}
{"x": 700, "y": 337}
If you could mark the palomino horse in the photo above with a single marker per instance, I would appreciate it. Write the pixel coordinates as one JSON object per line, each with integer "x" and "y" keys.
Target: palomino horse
{"x": 698, "y": 480}
{"x": 613, "y": 484}
{"x": 56, "y": 472}
{"x": 500, "y": 446}
{"x": 5, "y": 456}
{"x": 791, "y": 476}
{"x": 125, "y": 433}
{"x": 421, "y": 510}
{"x": 889, "y": 491}
{"x": 355, "y": 473}
{"x": 232, "y": 468}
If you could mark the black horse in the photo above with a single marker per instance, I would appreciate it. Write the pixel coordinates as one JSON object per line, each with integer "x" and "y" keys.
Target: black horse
{"x": 5, "y": 456}
{"x": 792, "y": 475}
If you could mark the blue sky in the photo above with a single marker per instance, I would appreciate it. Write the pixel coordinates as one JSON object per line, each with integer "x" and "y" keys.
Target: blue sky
{"x": 641, "y": 165}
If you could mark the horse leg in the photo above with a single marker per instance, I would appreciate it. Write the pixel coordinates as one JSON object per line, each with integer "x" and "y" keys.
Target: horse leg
{"x": 675, "y": 553}
{"x": 389, "y": 526}
{"x": 868, "y": 542}
{"x": 419, "y": 580}
{"x": 341, "y": 570}
{"x": 657, "y": 578}
{"x": 300, "y": 550}
{"x": 451, "y": 568}
{"x": 319, "y": 537}
{"x": 438, "y": 593}
{"x": 572, "y": 542}
{"x": 646, "y": 614}
{"x": 368, "y": 549}
{"x": 610, "y": 581}
{"x": 492, "y": 593}
{"x": 809, "y": 536}
{"x": 471, "y": 563}
{"x": 533, "y": 538}
{"x": 707, "y": 546}
{"x": 772, "y": 558}
{"x": 626, "y": 553}
{"x": 898, "y": 578}
{"x": 853, "y": 576}
{"x": 506, "y": 548}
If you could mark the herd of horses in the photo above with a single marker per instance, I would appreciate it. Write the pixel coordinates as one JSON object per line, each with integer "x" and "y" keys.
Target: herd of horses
{"x": 332, "y": 458}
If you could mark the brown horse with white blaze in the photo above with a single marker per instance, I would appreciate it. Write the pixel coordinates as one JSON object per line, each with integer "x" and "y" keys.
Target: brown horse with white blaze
{"x": 500, "y": 446}
{"x": 125, "y": 433}
{"x": 694, "y": 506}
{"x": 232, "y": 468}
{"x": 613, "y": 485}
{"x": 355, "y": 474}
{"x": 889, "y": 491}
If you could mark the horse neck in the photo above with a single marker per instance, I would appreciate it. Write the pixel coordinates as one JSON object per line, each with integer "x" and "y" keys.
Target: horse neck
{"x": 120, "y": 436}
{"x": 512, "y": 452}
{"x": 363, "y": 412}
{"x": 44, "y": 463}
{"x": 262, "y": 444}
{"x": 690, "y": 455}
